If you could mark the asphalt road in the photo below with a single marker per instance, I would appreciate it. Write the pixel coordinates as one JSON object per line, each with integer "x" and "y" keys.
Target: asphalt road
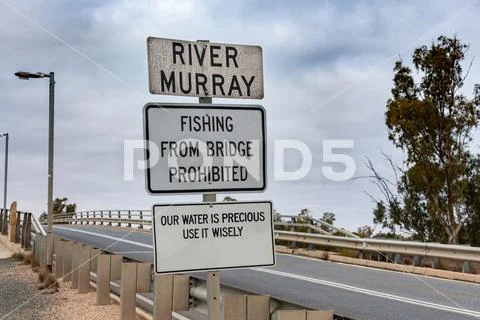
{"x": 352, "y": 291}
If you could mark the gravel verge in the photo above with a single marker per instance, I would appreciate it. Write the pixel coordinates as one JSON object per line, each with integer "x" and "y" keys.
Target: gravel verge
{"x": 20, "y": 299}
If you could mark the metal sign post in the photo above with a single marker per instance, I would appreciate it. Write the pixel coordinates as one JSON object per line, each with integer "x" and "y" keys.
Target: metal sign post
{"x": 213, "y": 278}
{"x": 236, "y": 156}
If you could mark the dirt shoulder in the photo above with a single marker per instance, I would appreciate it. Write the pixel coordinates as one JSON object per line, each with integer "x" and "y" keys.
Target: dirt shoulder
{"x": 20, "y": 299}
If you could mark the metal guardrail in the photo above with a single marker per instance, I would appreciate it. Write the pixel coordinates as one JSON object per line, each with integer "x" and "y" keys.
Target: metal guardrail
{"x": 411, "y": 248}
{"x": 287, "y": 229}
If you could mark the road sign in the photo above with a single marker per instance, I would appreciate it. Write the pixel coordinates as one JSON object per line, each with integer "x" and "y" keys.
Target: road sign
{"x": 212, "y": 236}
{"x": 204, "y": 148}
{"x": 204, "y": 69}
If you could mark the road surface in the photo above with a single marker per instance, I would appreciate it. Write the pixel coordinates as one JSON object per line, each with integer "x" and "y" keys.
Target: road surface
{"x": 352, "y": 291}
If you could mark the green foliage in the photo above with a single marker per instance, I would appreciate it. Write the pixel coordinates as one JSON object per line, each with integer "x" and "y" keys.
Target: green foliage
{"x": 431, "y": 121}
{"x": 60, "y": 206}
{"x": 328, "y": 217}
{"x": 276, "y": 216}
{"x": 364, "y": 231}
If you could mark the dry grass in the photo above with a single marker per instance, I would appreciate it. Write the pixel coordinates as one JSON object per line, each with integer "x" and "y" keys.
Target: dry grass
{"x": 47, "y": 281}
{"x": 18, "y": 256}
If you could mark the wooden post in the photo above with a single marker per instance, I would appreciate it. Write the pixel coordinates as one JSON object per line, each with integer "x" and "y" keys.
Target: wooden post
{"x": 291, "y": 315}
{"x": 320, "y": 315}
{"x": 144, "y": 277}
{"x": 128, "y": 290}
{"x": 58, "y": 245}
{"x": 75, "y": 264}
{"x": 115, "y": 267}
{"x": 67, "y": 261}
{"x": 43, "y": 249}
{"x": 258, "y": 308}
{"x": 84, "y": 269}
{"x": 162, "y": 297}
{"x": 28, "y": 232}
{"x": 304, "y": 315}
{"x": 213, "y": 295}
{"x": 103, "y": 279}
{"x": 94, "y": 253}
{"x": 235, "y": 307}
{"x": 181, "y": 292}
{"x": 13, "y": 222}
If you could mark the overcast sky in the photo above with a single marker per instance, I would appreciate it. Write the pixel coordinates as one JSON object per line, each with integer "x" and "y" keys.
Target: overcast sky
{"x": 327, "y": 69}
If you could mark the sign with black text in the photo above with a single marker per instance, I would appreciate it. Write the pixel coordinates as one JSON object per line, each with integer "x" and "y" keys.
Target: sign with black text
{"x": 212, "y": 236}
{"x": 204, "y": 69}
{"x": 204, "y": 148}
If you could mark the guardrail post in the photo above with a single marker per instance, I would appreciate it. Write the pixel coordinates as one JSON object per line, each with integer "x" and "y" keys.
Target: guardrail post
{"x": 293, "y": 244}
{"x": 417, "y": 260}
{"x": 213, "y": 295}
{"x": 119, "y": 224}
{"x": 140, "y": 226}
{"x": 144, "y": 277}
{"x": 18, "y": 229}
{"x": 24, "y": 230}
{"x": 58, "y": 249}
{"x": 84, "y": 269}
{"x": 181, "y": 292}
{"x": 397, "y": 258}
{"x": 258, "y": 307}
{"x": 28, "y": 233}
{"x": 243, "y": 307}
{"x": 162, "y": 297}
{"x": 304, "y": 315}
{"x": 94, "y": 253}
{"x": 35, "y": 259}
{"x": 115, "y": 267}
{"x": 43, "y": 251}
{"x": 75, "y": 264}
{"x": 129, "y": 217}
{"x": 103, "y": 279}
{"x": 466, "y": 267}
{"x": 235, "y": 307}
{"x": 311, "y": 245}
{"x": 128, "y": 288}
{"x": 101, "y": 217}
{"x": 67, "y": 261}
{"x": 109, "y": 217}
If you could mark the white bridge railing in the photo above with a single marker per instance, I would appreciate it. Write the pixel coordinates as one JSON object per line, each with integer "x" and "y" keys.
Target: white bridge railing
{"x": 294, "y": 230}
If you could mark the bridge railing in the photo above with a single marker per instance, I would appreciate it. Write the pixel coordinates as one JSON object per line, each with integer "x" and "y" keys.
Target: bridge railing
{"x": 22, "y": 229}
{"x": 295, "y": 230}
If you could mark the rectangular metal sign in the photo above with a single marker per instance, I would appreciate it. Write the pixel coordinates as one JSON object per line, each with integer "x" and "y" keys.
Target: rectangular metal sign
{"x": 204, "y": 69}
{"x": 212, "y": 236}
{"x": 211, "y": 148}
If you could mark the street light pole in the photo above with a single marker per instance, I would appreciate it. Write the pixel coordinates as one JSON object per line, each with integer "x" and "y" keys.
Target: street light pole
{"x": 5, "y": 178}
{"x": 51, "y": 120}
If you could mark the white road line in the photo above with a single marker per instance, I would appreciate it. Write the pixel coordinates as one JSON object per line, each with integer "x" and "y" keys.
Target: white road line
{"x": 383, "y": 295}
{"x": 372, "y": 293}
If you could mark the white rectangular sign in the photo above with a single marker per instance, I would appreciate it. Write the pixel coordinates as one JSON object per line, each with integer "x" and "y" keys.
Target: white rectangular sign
{"x": 204, "y": 148}
{"x": 212, "y": 236}
{"x": 204, "y": 69}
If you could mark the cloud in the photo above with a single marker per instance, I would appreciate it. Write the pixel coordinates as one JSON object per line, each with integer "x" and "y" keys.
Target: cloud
{"x": 332, "y": 57}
